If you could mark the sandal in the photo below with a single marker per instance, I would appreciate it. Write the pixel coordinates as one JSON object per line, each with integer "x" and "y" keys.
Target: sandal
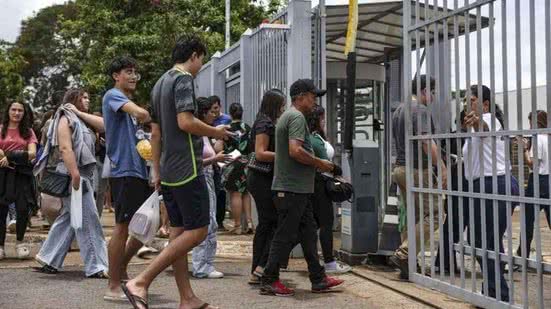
{"x": 236, "y": 230}
{"x": 133, "y": 299}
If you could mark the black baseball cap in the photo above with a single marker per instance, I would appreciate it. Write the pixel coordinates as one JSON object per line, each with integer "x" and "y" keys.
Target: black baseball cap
{"x": 305, "y": 85}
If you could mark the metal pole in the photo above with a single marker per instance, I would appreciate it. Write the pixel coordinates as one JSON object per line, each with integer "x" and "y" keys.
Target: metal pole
{"x": 228, "y": 24}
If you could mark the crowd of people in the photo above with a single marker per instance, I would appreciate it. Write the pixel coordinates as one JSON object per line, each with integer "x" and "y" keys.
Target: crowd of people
{"x": 198, "y": 156}
{"x": 477, "y": 165}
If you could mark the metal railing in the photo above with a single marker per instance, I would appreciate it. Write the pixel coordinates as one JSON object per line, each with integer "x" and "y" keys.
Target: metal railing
{"x": 475, "y": 216}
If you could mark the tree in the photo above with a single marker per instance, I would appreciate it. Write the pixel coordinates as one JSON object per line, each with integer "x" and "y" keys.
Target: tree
{"x": 145, "y": 30}
{"x": 41, "y": 46}
{"x": 11, "y": 81}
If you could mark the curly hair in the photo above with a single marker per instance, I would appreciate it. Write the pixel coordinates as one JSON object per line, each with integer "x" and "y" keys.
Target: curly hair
{"x": 24, "y": 126}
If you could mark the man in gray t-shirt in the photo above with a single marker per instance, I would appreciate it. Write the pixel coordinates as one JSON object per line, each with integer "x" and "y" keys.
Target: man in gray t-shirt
{"x": 177, "y": 149}
{"x": 419, "y": 112}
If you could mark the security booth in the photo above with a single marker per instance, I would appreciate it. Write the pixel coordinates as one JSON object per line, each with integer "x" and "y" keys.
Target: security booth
{"x": 306, "y": 42}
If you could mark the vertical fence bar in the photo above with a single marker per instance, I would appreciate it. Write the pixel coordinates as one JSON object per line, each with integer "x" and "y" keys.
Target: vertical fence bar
{"x": 459, "y": 143}
{"x": 421, "y": 243}
{"x": 507, "y": 149}
{"x": 482, "y": 176}
{"x": 520, "y": 153}
{"x": 428, "y": 145}
{"x": 435, "y": 106}
{"x": 535, "y": 163}
{"x": 547, "y": 24}
{"x": 449, "y": 217}
{"x": 406, "y": 96}
{"x": 495, "y": 212}
{"x": 470, "y": 151}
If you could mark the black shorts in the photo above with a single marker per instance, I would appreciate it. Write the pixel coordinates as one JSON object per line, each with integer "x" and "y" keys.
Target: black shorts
{"x": 188, "y": 205}
{"x": 128, "y": 194}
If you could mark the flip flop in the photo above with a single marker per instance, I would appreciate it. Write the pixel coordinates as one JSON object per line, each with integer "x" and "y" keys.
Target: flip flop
{"x": 133, "y": 299}
{"x": 115, "y": 298}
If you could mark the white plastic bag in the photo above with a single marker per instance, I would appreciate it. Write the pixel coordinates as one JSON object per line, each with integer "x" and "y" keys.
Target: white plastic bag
{"x": 76, "y": 207}
{"x": 106, "y": 172}
{"x": 145, "y": 222}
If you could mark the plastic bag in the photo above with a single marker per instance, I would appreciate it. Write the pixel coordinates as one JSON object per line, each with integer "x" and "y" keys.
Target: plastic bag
{"x": 106, "y": 172}
{"x": 76, "y": 207}
{"x": 145, "y": 222}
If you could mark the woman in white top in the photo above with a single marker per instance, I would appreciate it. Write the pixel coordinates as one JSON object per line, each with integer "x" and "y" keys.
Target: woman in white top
{"x": 543, "y": 171}
{"x": 479, "y": 171}
{"x": 321, "y": 203}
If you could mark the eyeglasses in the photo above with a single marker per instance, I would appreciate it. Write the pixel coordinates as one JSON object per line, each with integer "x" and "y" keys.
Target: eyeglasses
{"x": 136, "y": 76}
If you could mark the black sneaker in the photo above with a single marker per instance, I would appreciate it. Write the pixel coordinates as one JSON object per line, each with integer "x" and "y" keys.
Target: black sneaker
{"x": 402, "y": 265}
{"x": 46, "y": 269}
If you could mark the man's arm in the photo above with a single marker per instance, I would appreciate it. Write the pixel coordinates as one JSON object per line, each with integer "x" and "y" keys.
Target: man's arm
{"x": 297, "y": 152}
{"x": 430, "y": 146}
{"x": 139, "y": 113}
{"x": 156, "y": 154}
{"x": 188, "y": 123}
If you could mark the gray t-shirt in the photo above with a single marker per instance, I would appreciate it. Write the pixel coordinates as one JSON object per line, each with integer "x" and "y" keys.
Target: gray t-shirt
{"x": 181, "y": 152}
{"x": 399, "y": 131}
{"x": 289, "y": 174}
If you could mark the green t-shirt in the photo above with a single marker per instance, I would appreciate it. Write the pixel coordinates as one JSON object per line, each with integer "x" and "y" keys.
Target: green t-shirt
{"x": 289, "y": 174}
{"x": 318, "y": 144}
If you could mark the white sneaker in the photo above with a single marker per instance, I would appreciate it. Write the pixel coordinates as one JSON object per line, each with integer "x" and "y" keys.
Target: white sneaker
{"x": 2, "y": 253}
{"x": 337, "y": 268}
{"x": 23, "y": 251}
{"x": 11, "y": 226}
{"x": 215, "y": 275}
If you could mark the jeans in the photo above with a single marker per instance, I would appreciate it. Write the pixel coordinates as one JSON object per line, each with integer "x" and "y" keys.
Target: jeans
{"x": 488, "y": 225}
{"x": 101, "y": 186}
{"x": 260, "y": 187}
{"x": 295, "y": 224}
{"x": 202, "y": 256}
{"x": 91, "y": 241}
{"x": 530, "y": 218}
{"x": 323, "y": 213}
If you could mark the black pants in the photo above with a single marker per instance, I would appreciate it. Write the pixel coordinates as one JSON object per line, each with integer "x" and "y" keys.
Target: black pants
{"x": 323, "y": 214}
{"x": 530, "y": 218}
{"x": 260, "y": 186}
{"x": 22, "y": 217}
{"x": 295, "y": 223}
{"x": 220, "y": 207}
{"x": 488, "y": 225}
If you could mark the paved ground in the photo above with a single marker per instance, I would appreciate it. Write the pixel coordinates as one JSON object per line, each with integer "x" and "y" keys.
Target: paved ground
{"x": 23, "y": 288}
{"x": 366, "y": 288}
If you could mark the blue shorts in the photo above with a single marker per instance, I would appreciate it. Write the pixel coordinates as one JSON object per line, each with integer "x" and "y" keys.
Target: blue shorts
{"x": 188, "y": 205}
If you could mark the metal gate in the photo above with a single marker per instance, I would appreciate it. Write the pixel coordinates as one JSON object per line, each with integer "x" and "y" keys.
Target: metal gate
{"x": 510, "y": 48}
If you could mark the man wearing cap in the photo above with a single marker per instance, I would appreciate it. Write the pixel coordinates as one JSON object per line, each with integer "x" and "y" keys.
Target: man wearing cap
{"x": 294, "y": 172}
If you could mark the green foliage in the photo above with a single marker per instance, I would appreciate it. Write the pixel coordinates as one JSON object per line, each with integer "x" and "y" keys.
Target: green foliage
{"x": 147, "y": 31}
{"x": 11, "y": 81}
{"x": 72, "y": 44}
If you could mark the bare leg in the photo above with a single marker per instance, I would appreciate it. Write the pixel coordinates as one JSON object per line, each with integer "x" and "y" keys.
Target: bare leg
{"x": 181, "y": 275}
{"x": 236, "y": 208}
{"x": 132, "y": 247}
{"x": 177, "y": 249}
{"x": 116, "y": 252}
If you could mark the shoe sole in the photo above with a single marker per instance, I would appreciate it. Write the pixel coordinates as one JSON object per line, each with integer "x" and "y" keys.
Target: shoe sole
{"x": 338, "y": 271}
{"x": 270, "y": 293}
